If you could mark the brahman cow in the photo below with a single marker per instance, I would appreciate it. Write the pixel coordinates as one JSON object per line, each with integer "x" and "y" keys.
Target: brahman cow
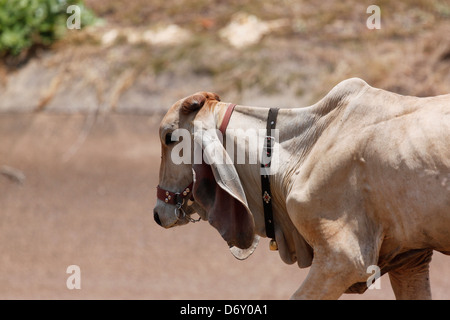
{"x": 360, "y": 179}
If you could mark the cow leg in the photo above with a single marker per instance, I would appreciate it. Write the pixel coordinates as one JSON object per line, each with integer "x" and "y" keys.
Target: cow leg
{"x": 333, "y": 271}
{"x": 324, "y": 283}
{"x": 343, "y": 248}
{"x": 411, "y": 280}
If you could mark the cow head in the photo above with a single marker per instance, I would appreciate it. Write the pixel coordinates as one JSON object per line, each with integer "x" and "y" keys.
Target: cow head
{"x": 216, "y": 194}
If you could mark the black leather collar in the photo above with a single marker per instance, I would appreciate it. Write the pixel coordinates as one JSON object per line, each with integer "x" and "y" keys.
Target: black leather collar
{"x": 269, "y": 143}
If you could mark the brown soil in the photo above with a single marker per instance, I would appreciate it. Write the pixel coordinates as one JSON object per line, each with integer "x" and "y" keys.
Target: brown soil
{"x": 87, "y": 200}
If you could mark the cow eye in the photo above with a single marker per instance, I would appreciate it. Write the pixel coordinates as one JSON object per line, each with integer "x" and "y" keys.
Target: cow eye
{"x": 168, "y": 139}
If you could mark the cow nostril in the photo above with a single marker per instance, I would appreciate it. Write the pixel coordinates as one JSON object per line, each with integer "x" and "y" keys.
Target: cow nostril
{"x": 156, "y": 217}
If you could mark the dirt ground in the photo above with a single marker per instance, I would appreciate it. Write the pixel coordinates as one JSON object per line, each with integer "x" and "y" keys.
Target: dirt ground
{"x": 87, "y": 200}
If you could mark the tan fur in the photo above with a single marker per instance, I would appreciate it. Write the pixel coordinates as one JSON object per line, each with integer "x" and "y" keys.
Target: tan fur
{"x": 363, "y": 179}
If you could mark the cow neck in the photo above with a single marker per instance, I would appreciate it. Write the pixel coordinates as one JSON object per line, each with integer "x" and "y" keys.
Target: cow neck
{"x": 265, "y": 168}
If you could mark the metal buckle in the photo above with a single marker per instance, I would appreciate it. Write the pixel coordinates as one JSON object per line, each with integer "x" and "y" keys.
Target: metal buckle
{"x": 266, "y": 156}
{"x": 179, "y": 208}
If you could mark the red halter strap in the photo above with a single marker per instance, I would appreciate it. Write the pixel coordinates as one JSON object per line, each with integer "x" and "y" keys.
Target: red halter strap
{"x": 226, "y": 118}
{"x": 177, "y": 198}
{"x": 174, "y": 198}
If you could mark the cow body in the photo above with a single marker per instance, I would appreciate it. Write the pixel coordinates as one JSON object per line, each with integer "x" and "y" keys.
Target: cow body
{"x": 362, "y": 179}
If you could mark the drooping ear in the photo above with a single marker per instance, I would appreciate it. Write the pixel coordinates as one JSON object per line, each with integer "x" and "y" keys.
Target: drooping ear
{"x": 196, "y": 101}
{"x": 217, "y": 188}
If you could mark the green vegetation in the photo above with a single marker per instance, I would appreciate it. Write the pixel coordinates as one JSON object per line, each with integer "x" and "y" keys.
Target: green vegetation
{"x": 28, "y": 23}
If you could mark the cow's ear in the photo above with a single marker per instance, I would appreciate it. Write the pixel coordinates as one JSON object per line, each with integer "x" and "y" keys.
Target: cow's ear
{"x": 196, "y": 101}
{"x": 219, "y": 191}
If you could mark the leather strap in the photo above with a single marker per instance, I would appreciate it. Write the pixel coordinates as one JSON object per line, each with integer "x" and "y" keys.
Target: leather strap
{"x": 265, "y": 170}
{"x": 170, "y": 197}
{"x": 226, "y": 118}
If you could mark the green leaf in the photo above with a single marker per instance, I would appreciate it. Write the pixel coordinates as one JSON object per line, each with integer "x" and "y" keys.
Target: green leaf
{"x": 24, "y": 23}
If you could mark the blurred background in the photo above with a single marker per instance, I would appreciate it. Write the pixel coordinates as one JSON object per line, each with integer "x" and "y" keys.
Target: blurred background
{"x": 82, "y": 93}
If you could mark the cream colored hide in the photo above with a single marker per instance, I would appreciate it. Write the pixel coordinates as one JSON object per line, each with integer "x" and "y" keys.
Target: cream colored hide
{"x": 362, "y": 181}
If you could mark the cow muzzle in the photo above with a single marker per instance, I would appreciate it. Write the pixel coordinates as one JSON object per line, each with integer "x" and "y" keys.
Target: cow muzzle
{"x": 168, "y": 216}
{"x": 175, "y": 201}
{"x": 156, "y": 217}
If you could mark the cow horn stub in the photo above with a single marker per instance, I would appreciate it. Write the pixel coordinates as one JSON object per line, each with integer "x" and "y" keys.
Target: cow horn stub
{"x": 196, "y": 101}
